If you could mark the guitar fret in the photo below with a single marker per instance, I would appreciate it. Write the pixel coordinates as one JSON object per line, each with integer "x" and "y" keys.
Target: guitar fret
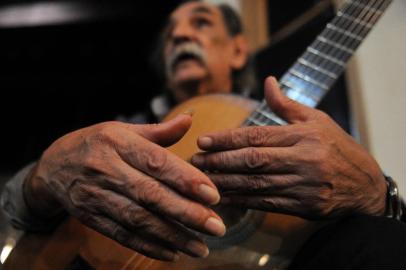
{"x": 299, "y": 90}
{"x": 351, "y": 18}
{"x": 301, "y": 97}
{"x": 325, "y": 56}
{"x": 307, "y": 79}
{"x": 322, "y": 62}
{"x": 368, "y": 8}
{"x": 271, "y": 116}
{"x": 344, "y": 32}
{"x": 317, "y": 68}
{"x": 256, "y": 122}
{"x": 343, "y": 48}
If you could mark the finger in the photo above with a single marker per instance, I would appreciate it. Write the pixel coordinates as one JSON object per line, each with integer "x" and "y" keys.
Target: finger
{"x": 163, "y": 165}
{"x": 247, "y": 160}
{"x": 130, "y": 239}
{"x": 161, "y": 199}
{"x": 277, "y": 136}
{"x": 142, "y": 221}
{"x": 167, "y": 133}
{"x": 254, "y": 183}
{"x": 286, "y": 108}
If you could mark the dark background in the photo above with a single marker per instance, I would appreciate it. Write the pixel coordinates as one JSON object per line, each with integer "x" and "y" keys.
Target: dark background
{"x": 57, "y": 78}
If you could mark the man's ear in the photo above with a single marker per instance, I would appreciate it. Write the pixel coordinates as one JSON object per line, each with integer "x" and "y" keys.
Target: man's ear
{"x": 240, "y": 52}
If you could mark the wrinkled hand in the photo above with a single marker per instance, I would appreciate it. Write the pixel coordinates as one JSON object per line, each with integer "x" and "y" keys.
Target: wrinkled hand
{"x": 115, "y": 178}
{"x": 309, "y": 168}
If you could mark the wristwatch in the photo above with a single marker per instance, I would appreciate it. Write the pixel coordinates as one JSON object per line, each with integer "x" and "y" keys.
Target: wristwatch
{"x": 393, "y": 201}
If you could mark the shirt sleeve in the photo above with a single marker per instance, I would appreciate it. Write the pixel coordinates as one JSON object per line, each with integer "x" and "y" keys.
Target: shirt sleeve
{"x": 15, "y": 207}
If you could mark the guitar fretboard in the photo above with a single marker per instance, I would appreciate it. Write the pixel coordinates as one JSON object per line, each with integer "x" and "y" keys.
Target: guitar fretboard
{"x": 318, "y": 68}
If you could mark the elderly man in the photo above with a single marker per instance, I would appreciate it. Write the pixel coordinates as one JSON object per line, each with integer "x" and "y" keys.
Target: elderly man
{"x": 120, "y": 180}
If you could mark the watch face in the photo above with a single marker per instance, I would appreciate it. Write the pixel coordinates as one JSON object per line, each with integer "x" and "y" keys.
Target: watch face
{"x": 394, "y": 202}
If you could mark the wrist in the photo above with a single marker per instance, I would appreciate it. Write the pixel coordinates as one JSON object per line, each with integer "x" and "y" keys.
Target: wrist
{"x": 39, "y": 200}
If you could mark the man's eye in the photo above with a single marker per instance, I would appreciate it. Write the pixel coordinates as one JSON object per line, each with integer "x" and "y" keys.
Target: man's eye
{"x": 202, "y": 22}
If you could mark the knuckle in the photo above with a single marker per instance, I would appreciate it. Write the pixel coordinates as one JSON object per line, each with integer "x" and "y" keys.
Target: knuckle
{"x": 325, "y": 195}
{"x": 150, "y": 194}
{"x": 91, "y": 163}
{"x": 134, "y": 216}
{"x": 256, "y": 182}
{"x": 217, "y": 159}
{"x": 80, "y": 195}
{"x": 102, "y": 132}
{"x": 156, "y": 160}
{"x": 253, "y": 159}
{"x": 232, "y": 137}
{"x": 256, "y": 136}
{"x": 318, "y": 157}
{"x": 105, "y": 134}
{"x": 271, "y": 204}
{"x": 314, "y": 136}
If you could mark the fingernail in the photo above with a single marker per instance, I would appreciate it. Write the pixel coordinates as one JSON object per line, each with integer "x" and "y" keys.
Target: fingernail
{"x": 197, "y": 248}
{"x": 169, "y": 255}
{"x": 215, "y": 226}
{"x": 197, "y": 159}
{"x": 209, "y": 194}
{"x": 189, "y": 112}
{"x": 205, "y": 142}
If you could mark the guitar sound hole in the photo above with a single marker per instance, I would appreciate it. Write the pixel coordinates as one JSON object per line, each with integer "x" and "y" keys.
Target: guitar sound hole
{"x": 230, "y": 215}
{"x": 241, "y": 224}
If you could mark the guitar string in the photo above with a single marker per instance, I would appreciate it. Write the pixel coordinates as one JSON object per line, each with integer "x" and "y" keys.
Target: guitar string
{"x": 344, "y": 39}
{"x": 141, "y": 261}
{"x": 351, "y": 10}
{"x": 337, "y": 37}
{"x": 132, "y": 258}
{"x": 360, "y": 30}
{"x": 149, "y": 265}
{"x": 260, "y": 117}
{"x": 352, "y": 27}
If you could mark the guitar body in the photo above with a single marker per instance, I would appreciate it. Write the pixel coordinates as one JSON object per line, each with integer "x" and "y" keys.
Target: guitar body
{"x": 254, "y": 240}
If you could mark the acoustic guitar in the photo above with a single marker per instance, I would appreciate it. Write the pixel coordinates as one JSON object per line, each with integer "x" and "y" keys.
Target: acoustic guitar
{"x": 254, "y": 239}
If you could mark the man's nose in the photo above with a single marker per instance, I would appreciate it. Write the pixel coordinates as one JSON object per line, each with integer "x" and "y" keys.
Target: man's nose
{"x": 182, "y": 32}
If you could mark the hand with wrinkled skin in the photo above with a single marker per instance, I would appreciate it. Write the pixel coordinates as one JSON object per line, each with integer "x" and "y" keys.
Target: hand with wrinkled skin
{"x": 117, "y": 179}
{"x": 310, "y": 168}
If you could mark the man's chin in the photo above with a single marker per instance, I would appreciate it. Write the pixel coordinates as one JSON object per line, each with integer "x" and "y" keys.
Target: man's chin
{"x": 185, "y": 89}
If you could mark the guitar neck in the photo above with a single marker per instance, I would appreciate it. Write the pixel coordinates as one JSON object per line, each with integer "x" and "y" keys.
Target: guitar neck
{"x": 318, "y": 68}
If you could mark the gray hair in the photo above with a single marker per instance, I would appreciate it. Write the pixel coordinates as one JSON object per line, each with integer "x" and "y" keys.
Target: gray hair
{"x": 243, "y": 80}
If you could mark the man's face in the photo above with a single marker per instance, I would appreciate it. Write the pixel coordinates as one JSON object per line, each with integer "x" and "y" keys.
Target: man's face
{"x": 199, "y": 53}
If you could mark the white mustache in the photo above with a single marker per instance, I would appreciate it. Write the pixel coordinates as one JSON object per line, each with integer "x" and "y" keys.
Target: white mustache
{"x": 188, "y": 48}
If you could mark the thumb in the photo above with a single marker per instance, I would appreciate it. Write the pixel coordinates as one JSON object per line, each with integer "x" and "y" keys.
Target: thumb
{"x": 284, "y": 107}
{"x": 167, "y": 133}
